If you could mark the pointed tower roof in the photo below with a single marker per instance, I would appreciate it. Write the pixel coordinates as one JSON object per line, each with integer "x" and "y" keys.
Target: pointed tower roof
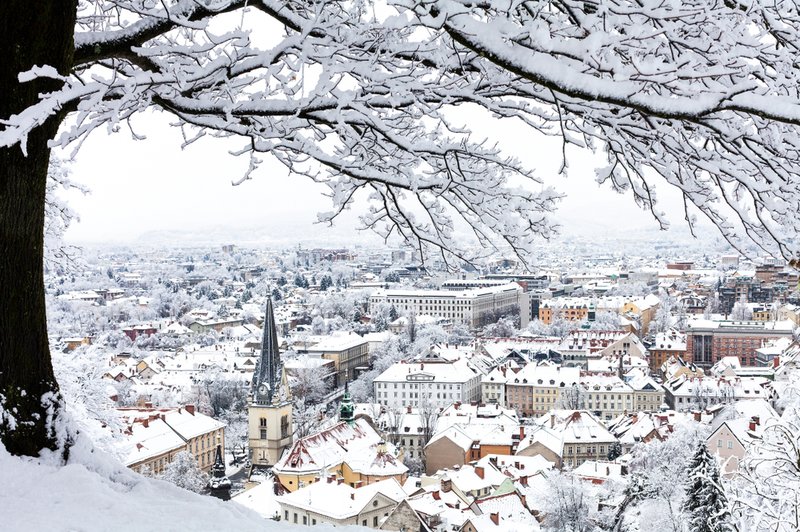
{"x": 268, "y": 376}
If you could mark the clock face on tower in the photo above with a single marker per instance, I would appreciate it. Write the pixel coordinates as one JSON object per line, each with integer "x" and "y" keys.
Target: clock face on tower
{"x": 262, "y": 389}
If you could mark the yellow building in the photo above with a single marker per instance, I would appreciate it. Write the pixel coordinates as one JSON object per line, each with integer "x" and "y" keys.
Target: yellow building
{"x": 155, "y": 435}
{"x": 351, "y": 451}
{"x": 644, "y": 308}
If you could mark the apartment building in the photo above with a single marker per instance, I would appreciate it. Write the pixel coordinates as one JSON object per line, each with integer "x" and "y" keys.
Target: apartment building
{"x": 349, "y": 353}
{"x": 606, "y": 396}
{"x": 665, "y": 345}
{"x": 567, "y": 438}
{"x": 153, "y": 437}
{"x": 536, "y": 388}
{"x": 438, "y": 384}
{"x": 476, "y": 306}
{"x": 708, "y": 341}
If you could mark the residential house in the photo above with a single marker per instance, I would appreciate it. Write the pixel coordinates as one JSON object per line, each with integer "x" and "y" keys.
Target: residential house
{"x": 567, "y": 438}
{"x": 333, "y": 502}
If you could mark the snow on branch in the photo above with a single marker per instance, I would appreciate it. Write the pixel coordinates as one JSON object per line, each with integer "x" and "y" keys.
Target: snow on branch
{"x": 698, "y": 96}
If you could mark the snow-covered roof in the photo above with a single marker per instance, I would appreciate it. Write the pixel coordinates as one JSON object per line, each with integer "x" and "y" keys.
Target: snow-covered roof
{"x": 456, "y": 372}
{"x": 340, "y": 501}
{"x": 545, "y": 375}
{"x": 153, "y": 432}
{"x": 560, "y": 427}
{"x": 339, "y": 342}
{"x": 358, "y": 445}
{"x": 261, "y": 499}
{"x": 508, "y": 509}
{"x": 599, "y": 471}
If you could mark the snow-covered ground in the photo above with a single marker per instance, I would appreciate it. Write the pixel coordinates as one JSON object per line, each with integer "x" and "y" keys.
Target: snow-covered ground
{"x": 95, "y": 493}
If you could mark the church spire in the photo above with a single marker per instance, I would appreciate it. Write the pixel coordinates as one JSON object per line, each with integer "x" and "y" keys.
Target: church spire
{"x": 267, "y": 378}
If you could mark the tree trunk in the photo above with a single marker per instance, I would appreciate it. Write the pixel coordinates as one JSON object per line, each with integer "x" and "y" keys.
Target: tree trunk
{"x": 38, "y": 33}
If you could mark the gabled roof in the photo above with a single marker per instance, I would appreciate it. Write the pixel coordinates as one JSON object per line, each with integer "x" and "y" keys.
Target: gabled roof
{"x": 340, "y": 501}
{"x": 358, "y": 445}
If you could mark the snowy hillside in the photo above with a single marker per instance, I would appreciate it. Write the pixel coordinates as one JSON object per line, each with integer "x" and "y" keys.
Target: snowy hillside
{"x": 93, "y": 493}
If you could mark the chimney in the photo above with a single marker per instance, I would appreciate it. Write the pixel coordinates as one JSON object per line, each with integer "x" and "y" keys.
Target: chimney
{"x": 446, "y": 484}
{"x": 436, "y": 495}
{"x": 521, "y": 433}
{"x": 148, "y": 404}
{"x": 190, "y": 409}
{"x": 145, "y": 423}
{"x": 523, "y": 480}
{"x": 697, "y": 415}
{"x": 479, "y": 471}
{"x": 352, "y": 496}
{"x": 776, "y": 362}
{"x": 330, "y": 480}
{"x": 757, "y": 420}
{"x": 552, "y": 420}
{"x": 339, "y": 481}
{"x": 752, "y": 426}
{"x": 408, "y": 409}
{"x": 495, "y": 517}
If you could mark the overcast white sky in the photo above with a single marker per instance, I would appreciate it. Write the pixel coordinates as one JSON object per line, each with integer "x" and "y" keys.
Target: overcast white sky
{"x": 142, "y": 186}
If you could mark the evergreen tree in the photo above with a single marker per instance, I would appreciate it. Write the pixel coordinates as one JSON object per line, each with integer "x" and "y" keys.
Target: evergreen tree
{"x": 615, "y": 451}
{"x": 393, "y": 314}
{"x": 706, "y": 503}
{"x": 325, "y": 283}
{"x": 276, "y": 294}
{"x": 281, "y": 280}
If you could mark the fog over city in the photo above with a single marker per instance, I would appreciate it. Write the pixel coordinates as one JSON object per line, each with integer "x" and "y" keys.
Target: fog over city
{"x": 170, "y": 195}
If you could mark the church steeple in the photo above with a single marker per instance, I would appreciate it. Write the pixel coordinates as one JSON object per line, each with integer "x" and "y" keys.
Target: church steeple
{"x": 268, "y": 378}
{"x": 269, "y": 414}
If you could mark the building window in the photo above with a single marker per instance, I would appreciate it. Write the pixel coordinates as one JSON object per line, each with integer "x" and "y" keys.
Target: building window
{"x": 305, "y": 520}
{"x": 263, "y": 434}
{"x": 730, "y": 444}
{"x": 286, "y": 515}
{"x": 284, "y": 426}
{"x": 262, "y": 422}
{"x": 719, "y": 443}
{"x": 375, "y": 521}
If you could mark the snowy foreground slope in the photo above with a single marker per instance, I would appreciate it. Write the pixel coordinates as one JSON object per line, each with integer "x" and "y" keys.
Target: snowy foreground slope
{"x": 94, "y": 493}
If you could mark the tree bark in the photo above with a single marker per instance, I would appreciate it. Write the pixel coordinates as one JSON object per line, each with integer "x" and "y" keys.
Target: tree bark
{"x": 31, "y": 33}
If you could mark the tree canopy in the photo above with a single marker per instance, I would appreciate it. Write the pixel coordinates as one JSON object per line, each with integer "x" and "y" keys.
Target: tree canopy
{"x": 369, "y": 98}
{"x": 361, "y": 96}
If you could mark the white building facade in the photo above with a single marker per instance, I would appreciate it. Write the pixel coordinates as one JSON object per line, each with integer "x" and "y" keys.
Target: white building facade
{"x": 435, "y": 384}
{"x": 466, "y": 306}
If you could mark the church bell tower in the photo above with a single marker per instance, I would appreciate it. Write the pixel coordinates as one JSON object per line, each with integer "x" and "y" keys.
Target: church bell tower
{"x": 269, "y": 411}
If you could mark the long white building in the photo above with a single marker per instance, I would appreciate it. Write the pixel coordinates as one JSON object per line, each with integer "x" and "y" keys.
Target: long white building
{"x": 471, "y": 306}
{"x": 438, "y": 384}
